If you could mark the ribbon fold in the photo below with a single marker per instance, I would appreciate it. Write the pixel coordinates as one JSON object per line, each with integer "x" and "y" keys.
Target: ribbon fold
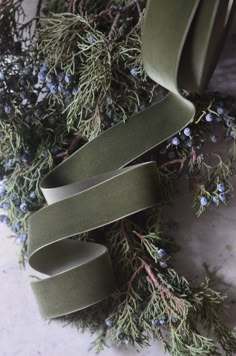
{"x": 95, "y": 186}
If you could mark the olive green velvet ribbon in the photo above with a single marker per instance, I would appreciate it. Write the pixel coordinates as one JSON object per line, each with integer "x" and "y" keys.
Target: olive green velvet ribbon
{"x": 95, "y": 186}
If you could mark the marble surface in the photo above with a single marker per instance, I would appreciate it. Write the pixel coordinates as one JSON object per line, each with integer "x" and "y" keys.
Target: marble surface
{"x": 210, "y": 239}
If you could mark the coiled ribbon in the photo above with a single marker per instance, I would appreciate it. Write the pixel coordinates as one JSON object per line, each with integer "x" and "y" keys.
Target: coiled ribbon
{"x": 95, "y": 187}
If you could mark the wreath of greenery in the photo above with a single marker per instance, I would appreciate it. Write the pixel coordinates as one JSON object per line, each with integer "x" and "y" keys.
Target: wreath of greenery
{"x": 66, "y": 77}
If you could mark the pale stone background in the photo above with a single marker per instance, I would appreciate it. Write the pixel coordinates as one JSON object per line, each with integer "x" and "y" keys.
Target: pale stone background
{"x": 210, "y": 239}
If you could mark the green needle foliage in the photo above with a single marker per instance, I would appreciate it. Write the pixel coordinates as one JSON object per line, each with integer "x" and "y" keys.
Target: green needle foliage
{"x": 103, "y": 53}
{"x": 152, "y": 301}
{"x": 79, "y": 73}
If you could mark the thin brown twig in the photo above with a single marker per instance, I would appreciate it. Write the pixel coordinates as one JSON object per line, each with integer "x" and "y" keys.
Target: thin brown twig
{"x": 194, "y": 155}
{"x": 72, "y": 6}
{"x": 163, "y": 298}
{"x": 81, "y": 7}
{"x": 163, "y": 290}
{"x": 122, "y": 225}
{"x": 180, "y": 160}
{"x": 76, "y": 143}
{"x": 134, "y": 275}
{"x": 100, "y": 99}
{"x": 134, "y": 29}
{"x": 113, "y": 27}
{"x": 104, "y": 12}
{"x": 138, "y": 235}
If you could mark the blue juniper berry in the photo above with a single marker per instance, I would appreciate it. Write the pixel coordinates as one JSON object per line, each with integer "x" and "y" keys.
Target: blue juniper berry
{"x": 222, "y": 197}
{"x": 187, "y": 131}
{"x": 220, "y": 110}
{"x": 214, "y": 138}
{"x": 53, "y": 88}
{"x": 24, "y": 207}
{"x": 91, "y": 39}
{"x": 48, "y": 85}
{"x": 109, "y": 323}
{"x": 6, "y": 206}
{"x": 2, "y": 75}
{"x": 10, "y": 163}
{"x": 123, "y": 337}
{"x": 203, "y": 201}
{"x": 7, "y": 109}
{"x": 229, "y": 122}
{"x": 75, "y": 91}
{"x": 33, "y": 195}
{"x": 35, "y": 71}
{"x": 163, "y": 264}
{"x": 44, "y": 154}
{"x": 161, "y": 253}
{"x": 4, "y": 219}
{"x": 50, "y": 78}
{"x": 215, "y": 200}
{"x": 175, "y": 141}
{"x": 155, "y": 322}
{"x": 60, "y": 77}
{"x": 42, "y": 76}
{"x": 159, "y": 322}
{"x": 26, "y": 158}
{"x": 60, "y": 87}
{"x": 25, "y": 102}
{"x": 109, "y": 100}
{"x": 68, "y": 78}
{"x": 14, "y": 199}
{"x": 221, "y": 187}
{"x": 209, "y": 117}
{"x": 2, "y": 190}
{"x": 21, "y": 238}
{"x": 44, "y": 67}
{"x": 162, "y": 321}
{"x": 134, "y": 72}
{"x": 232, "y": 134}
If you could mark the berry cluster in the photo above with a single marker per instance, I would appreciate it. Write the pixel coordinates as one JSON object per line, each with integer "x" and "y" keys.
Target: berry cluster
{"x": 61, "y": 83}
{"x": 185, "y": 151}
{"x": 219, "y": 195}
{"x": 29, "y": 147}
{"x": 200, "y": 131}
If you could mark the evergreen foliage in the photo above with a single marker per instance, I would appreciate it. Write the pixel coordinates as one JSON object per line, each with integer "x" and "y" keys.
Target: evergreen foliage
{"x": 79, "y": 73}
